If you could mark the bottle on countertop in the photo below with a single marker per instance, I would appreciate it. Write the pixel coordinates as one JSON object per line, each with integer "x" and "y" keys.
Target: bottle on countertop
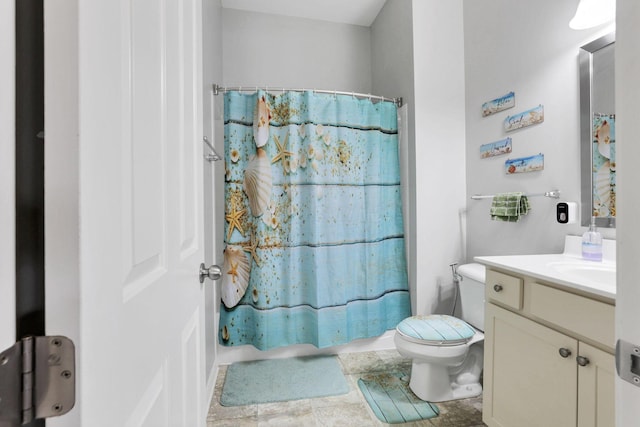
{"x": 592, "y": 243}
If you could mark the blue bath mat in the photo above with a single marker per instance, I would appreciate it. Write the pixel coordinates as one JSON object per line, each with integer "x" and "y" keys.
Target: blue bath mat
{"x": 391, "y": 399}
{"x": 277, "y": 380}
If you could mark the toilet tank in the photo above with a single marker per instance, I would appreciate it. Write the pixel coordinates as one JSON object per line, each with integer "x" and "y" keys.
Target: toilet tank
{"x": 472, "y": 294}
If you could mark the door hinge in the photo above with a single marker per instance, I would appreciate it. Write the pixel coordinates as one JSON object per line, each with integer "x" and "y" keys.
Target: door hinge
{"x": 37, "y": 379}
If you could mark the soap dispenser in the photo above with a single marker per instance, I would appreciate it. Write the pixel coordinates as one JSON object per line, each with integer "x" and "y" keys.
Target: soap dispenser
{"x": 592, "y": 243}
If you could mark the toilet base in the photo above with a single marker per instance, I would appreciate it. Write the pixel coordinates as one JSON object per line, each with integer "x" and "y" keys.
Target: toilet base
{"x": 438, "y": 383}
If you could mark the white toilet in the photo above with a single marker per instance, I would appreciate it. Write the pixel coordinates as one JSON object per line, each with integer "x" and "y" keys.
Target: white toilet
{"x": 447, "y": 352}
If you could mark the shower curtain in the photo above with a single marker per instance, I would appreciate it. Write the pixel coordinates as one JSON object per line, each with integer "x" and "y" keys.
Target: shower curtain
{"x": 314, "y": 245}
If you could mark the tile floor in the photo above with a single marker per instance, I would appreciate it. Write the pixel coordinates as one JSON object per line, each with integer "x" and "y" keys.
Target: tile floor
{"x": 349, "y": 409}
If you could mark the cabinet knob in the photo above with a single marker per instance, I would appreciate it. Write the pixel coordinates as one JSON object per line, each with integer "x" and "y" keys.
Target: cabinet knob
{"x": 582, "y": 361}
{"x": 564, "y": 352}
{"x": 497, "y": 288}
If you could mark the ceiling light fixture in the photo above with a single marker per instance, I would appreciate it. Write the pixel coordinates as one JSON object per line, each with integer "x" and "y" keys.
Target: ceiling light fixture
{"x": 591, "y": 13}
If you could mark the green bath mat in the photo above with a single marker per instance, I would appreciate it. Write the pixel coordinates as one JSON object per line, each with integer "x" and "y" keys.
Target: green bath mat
{"x": 277, "y": 380}
{"x": 392, "y": 400}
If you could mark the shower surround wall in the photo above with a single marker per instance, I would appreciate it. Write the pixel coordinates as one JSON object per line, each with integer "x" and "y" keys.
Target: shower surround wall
{"x": 528, "y": 48}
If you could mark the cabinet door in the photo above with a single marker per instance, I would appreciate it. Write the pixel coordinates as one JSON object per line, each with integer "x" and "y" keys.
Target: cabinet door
{"x": 596, "y": 388}
{"x": 527, "y": 381}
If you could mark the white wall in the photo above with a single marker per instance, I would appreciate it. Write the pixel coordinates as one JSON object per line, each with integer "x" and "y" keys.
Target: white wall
{"x": 528, "y": 48}
{"x": 279, "y": 51}
{"x": 392, "y": 76}
{"x": 628, "y": 149}
{"x": 438, "y": 56}
{"x": 212, "y": 73}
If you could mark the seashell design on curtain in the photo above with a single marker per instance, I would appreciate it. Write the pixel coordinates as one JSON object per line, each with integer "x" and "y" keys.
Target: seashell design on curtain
{"x": 313, "y": 220}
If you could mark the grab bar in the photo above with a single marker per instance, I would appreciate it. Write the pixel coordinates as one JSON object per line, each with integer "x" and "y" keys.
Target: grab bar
{"x": 213, "y": 156}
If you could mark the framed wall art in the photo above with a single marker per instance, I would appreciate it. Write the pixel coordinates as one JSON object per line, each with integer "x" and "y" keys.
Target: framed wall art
{"x": 497, "y": 148}
{"x": 524, "y": 119}
{"x": 525, "y": 164}
{"x": 499, "y": 104}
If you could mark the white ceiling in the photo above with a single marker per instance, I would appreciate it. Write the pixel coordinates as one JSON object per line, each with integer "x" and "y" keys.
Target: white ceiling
{"x": 357, "y": 12}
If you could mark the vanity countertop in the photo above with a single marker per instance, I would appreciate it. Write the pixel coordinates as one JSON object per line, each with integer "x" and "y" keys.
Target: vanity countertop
{"x": 567, "y": 269}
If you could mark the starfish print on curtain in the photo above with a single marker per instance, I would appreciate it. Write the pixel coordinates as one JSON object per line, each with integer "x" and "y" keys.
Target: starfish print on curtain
{"x": 314, "y": 232}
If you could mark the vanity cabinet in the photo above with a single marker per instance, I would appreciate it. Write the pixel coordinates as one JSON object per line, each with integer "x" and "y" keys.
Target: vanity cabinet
{"x": 548, "y": 355}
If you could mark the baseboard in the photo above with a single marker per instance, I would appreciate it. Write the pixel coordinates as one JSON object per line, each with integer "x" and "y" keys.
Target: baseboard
{"x": 211, "y": 386}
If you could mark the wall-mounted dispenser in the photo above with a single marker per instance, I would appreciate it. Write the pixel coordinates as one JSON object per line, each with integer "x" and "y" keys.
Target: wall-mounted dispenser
{"x": 567, "y": 212}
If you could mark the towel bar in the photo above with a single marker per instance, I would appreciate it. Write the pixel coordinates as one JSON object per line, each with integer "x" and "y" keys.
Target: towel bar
{"x": 555, "y": 194}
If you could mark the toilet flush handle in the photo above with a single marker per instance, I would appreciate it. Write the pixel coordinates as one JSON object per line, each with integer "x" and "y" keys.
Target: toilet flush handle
{"x": 497, "y": 288}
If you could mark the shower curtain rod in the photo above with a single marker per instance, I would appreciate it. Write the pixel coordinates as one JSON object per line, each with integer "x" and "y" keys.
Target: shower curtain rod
{"x": 217, "y": 89}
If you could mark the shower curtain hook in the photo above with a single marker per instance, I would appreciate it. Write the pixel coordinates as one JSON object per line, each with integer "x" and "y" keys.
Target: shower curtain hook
{"x": 240, "y": 89}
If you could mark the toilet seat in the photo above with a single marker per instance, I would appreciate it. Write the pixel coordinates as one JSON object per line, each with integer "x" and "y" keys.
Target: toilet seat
{"x": 436, "y": 330}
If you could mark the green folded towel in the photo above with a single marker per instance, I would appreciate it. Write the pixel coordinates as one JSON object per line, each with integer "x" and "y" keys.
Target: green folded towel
{"x": 509, "y": 207}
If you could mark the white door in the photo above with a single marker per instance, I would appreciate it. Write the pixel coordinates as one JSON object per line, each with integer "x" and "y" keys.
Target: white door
{"x": 124, "y": 207}
{"x": 628, "y": 200}
{"x": 7, "y": 175}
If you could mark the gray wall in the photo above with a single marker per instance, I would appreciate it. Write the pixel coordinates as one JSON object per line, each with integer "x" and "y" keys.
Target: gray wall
{"x": 285, "y": 52}
{"x": 528, "y": 48}
{"x": 392, "y": 51}
{"x": 392, "y": 73}
{"x": 418, "y": 53}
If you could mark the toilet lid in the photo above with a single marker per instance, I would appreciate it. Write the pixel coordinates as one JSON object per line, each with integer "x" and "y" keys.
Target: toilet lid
{"x": 436, "y": 329}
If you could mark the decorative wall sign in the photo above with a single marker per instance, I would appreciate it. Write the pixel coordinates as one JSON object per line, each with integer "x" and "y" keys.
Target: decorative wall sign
{"x": 526, "y": 118}
{"x": 499, "y": 104}
{"x": 525, "y": 164}
{"x": 495, "y": 148}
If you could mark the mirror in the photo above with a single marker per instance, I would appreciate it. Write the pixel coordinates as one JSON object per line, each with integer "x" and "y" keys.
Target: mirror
{"x": 597, "y": 132}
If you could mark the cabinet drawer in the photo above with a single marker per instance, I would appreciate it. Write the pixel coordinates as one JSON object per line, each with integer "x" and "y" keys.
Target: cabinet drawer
{"x": 589, "y": 318}
{"x": 504, "y": 289}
